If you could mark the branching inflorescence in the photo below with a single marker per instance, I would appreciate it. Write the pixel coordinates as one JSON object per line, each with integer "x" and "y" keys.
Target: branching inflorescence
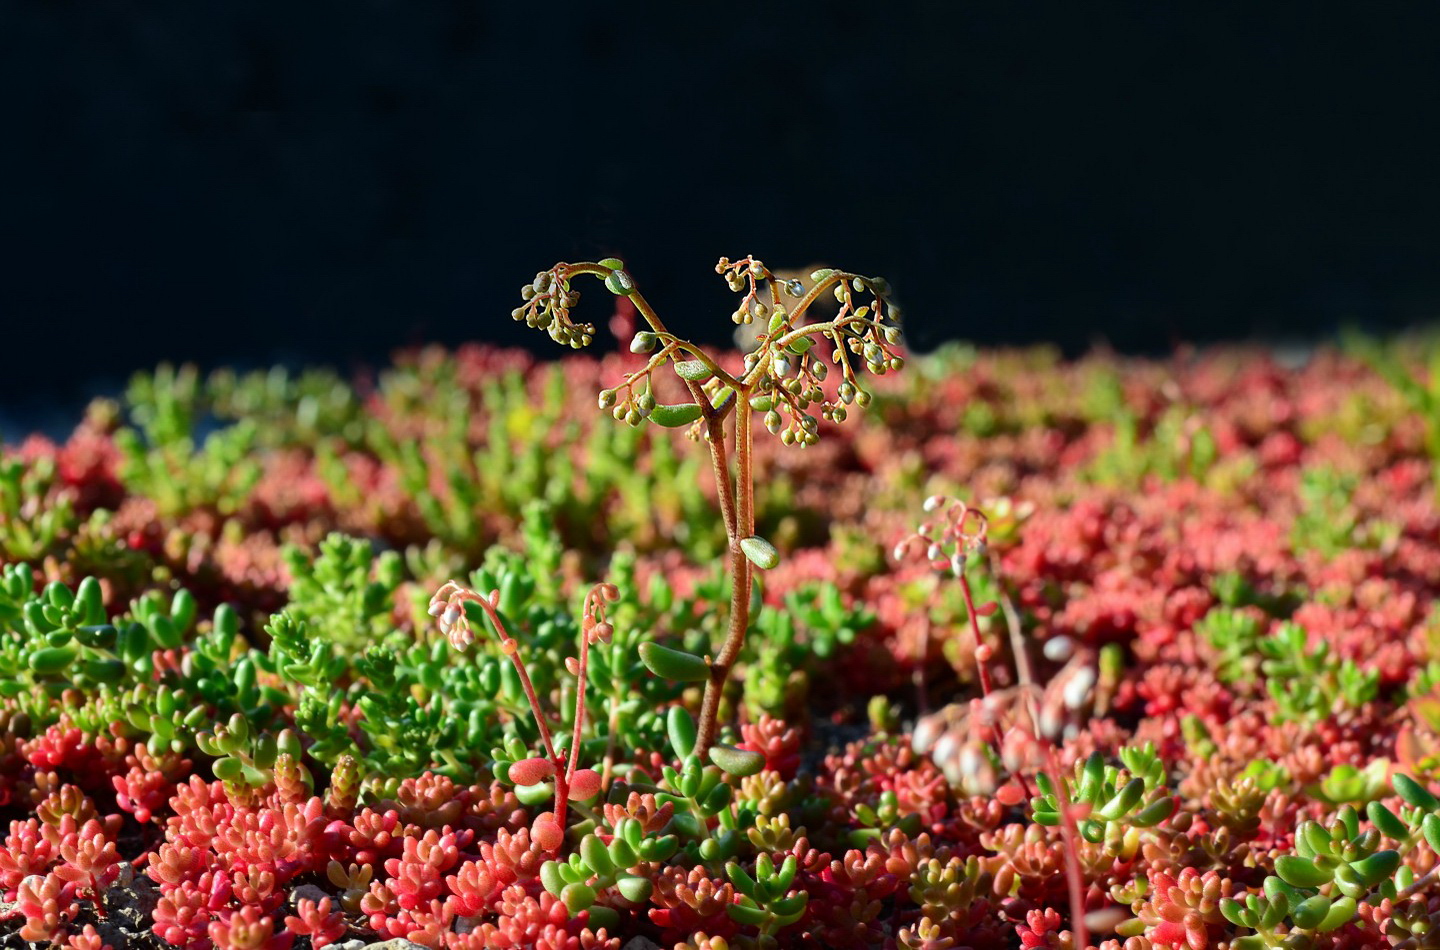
{"x": 783, "y": 378}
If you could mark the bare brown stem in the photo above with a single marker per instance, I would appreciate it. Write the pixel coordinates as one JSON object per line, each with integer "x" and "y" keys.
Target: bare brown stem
{"x": 742, "y": 578}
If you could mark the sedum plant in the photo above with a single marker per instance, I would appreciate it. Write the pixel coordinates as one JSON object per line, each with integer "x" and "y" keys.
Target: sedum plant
{"x": 783, "y": 379}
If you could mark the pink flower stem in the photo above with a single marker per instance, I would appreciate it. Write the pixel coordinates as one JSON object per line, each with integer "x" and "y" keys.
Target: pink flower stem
{"x": 511, "y": 648}
{"x": 982, "y": 652}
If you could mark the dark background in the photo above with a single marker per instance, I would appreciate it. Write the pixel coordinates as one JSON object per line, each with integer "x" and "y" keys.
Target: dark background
{"x": 323, "y": 182}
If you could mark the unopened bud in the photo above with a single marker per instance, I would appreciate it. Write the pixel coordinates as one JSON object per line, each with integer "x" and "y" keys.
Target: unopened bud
{"x": 1051, "y": 723}
{"x": 643, "y": 342}
{"x": 1079, "y": 687}
{"x": 1058, "y": 648}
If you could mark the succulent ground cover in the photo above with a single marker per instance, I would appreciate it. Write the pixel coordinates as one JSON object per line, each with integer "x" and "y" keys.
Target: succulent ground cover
{"x": 1033, "y": 653}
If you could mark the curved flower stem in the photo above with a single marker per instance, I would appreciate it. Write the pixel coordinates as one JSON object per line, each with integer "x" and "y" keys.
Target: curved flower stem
{"x": 511, "y": 648}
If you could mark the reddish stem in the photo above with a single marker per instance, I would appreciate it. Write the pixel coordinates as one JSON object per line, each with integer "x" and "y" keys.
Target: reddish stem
{"x": 981, "y": 655}
{"x": 511, "y": 648}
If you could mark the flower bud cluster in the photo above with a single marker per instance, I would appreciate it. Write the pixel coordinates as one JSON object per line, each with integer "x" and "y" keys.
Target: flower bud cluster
{"x": 548, "y": 299}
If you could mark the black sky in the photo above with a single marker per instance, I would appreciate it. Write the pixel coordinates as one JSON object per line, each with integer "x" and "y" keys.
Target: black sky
{"x": 322, "y": 182}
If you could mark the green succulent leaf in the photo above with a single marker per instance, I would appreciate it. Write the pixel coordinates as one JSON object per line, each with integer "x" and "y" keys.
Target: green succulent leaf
{"x": 1386, "y": 821}
{"x": 680, "y": 728}
{"x": 1377, "y": 867}
{"x": 760, "y": 552}
{"x": 696, "y": 371}
{"x": 1341, "y": 912}
{"x": 673, "y": 664}
{"x": 675, "y": 416}
{"x": 1311, "y": 911}
{"x": 1299, "y": 872}
{"x": 737, "y": 762}
{"x": 1414, "y": 793}
{"x": 636, "y": 890}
